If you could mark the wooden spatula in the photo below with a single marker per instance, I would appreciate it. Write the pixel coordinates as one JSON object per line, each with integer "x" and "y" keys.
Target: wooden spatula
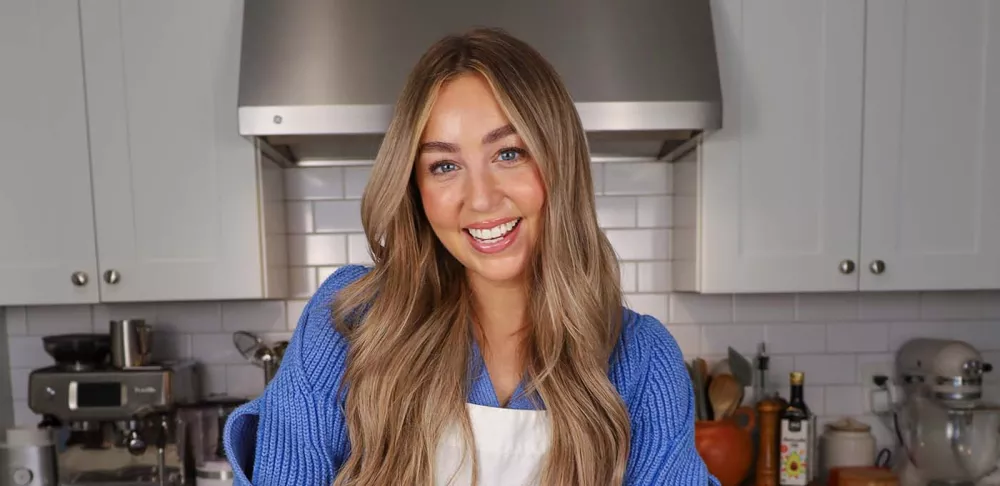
{"x": 725, "y": 394}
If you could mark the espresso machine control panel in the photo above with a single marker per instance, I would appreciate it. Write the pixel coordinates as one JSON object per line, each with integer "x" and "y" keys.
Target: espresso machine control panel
{"x": 111, "y": 394}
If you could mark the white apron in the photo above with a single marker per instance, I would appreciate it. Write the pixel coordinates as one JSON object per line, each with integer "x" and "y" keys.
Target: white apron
{"x": 510, "y": 446}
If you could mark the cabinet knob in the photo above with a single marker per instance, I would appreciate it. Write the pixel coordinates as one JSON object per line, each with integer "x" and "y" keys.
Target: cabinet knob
{"x": 79, "y": 278}
{"x": 847, "y": 267}
{"x": 112, "y": 276}
{"x": 877, "y": 267}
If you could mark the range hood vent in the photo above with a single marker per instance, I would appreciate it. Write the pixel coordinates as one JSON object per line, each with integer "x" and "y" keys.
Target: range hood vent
{"x": 319, "y": 78}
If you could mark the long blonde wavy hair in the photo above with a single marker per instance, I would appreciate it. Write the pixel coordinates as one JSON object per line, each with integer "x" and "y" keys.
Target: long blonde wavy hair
{"x": 410, "y": 320}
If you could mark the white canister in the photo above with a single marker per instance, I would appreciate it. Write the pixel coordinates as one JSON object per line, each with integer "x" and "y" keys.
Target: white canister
{"x": 848, "y": 443}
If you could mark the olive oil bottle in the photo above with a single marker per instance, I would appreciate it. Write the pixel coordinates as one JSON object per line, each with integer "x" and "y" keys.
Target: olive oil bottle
{"x": 796, "y": 438}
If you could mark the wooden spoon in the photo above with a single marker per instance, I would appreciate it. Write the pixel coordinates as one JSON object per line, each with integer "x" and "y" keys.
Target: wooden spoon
{"x": 725, "y": 394}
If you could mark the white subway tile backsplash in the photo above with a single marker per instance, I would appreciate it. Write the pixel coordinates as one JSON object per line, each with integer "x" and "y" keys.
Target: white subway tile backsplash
{"x": 844, "y": 400}
{"x": 213, "y": 379}
{"x": 19, "y": 383}
{"x": 355, "y": 179}
{"x": 244, "y": 380}
{"x": 812, "y": 395}
{"x": 337, "y": 216}
{"x": 299, "y": 217}
{"x": 764, "y": 307}
{"x": 357, "y": 250}
{"x": 189, "y": 317}
{"x": 322, "y": 273}
{"x": 950, "y": 305}
{"x": 796, "y": 338}
{"x": 884, "y": 306}
{"x": 653, "y": 212}
{"x": 900, "y": 332}
{"x": 23, "y": 416}
{"x": 656, "y": 305}
{"x": 778, "y": 371}
{"x": 314, "y": 183}
{"x": 59, "y": 319}
{"x": 744, "y": 338}
{"x": 640, "y": 244}
{"x": 688, "y": 337}
{"x": 628, "y": 276}
{"x": 253, "y": 316}
{"x": 16, "y": 321}
{"x": 701, "y": 308}
{"x": 301, "y": 282}
{"x": 828, "y": 369}
{"x": 654, "y": 276}
{"x": 637, "y": 178}
{"x": 167, "y": 345}
{"x": 616, "y": 211}
{"x": 27, "y": 352}
{"x": 844, "y": 337}
{"x": 827, "y": 307}
{"x": 294, "y": 313}
{"x": 317, "y": 249}
{"x": 597, "y": 174}
{"x": 105, "y": 313}
{"x": 216, "y": 349}
{"x": 991, "y": 304}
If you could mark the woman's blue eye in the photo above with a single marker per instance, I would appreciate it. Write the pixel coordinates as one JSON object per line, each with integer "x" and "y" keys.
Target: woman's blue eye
{"x": 510, "y": 155}
{"x": 443, "y": 167}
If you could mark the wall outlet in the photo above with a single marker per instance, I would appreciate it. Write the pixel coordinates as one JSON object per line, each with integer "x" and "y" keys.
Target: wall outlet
{"x": 876, "y": 400}
{"x": 868, "y": 371}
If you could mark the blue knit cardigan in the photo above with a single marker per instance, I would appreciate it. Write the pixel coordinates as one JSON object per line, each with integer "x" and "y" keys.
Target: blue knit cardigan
{"x": 295, "y": 432}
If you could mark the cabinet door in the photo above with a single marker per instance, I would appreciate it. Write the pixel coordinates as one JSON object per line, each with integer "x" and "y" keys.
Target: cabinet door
{"x": 781, "y": 180}
{"x": 175, "y": 186}
{"x": 46, "y": 215}
{"x": 931, "y": 207}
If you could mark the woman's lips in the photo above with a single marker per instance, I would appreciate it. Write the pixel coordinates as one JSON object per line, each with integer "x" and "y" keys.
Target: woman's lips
{"x": 495, "y": 245}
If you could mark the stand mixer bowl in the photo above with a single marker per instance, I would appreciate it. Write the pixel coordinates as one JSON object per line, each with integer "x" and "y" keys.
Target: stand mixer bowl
{"x": 953, "y": 443}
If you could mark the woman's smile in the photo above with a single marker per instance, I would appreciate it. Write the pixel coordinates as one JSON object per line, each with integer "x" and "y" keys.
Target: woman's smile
{"x": 493, "y": 236}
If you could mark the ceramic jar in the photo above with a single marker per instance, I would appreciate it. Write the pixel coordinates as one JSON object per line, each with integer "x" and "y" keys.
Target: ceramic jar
{"x": 726, "y": 447}
{"x": 847, "y": 443}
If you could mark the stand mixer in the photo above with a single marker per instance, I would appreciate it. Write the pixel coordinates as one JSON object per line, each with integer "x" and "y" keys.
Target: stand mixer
{"x": 947, "y": 436}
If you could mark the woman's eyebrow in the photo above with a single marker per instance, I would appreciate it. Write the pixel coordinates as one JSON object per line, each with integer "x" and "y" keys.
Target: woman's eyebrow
{"x": 491, "y": 137}
{"x": 498, "y": 133}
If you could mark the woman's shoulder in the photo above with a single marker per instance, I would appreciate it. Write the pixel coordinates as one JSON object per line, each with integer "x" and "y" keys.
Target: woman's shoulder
{"x": 320, "y": 350}
{"x": 646, "y": 351}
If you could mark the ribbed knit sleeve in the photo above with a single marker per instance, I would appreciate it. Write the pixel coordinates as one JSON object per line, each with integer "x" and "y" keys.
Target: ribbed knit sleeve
{"x": 661, "y": 404}
{"x": 294, "y": 433}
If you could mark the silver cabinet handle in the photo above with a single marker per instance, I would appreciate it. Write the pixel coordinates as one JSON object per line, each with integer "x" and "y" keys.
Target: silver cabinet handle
{"x": 877, "y": 267}
{"x": 846, "y": 267}
{"x": 112, "y": 276}
{"x": 79, "y": 278}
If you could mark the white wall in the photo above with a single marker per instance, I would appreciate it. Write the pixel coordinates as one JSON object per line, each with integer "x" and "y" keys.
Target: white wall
{"x": 828, "y": 336}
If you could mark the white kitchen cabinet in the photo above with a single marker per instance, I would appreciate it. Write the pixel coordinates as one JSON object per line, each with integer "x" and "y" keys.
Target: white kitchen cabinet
{"x": 770, "y": 202}
{"x": 177, "y": 191}
{"x": 931, "y": 177}
{"x": 46, "y": 214}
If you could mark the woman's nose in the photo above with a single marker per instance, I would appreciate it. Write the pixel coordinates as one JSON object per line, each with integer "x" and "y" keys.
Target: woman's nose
{"x": 483, "y": 193}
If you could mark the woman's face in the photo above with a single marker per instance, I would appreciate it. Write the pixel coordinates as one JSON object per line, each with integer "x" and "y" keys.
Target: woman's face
{"x": 480, "y": 187}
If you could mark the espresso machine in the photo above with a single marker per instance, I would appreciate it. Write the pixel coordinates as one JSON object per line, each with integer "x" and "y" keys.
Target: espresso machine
{"x": 947, "y": 435}
{"x": 116, "y": 418}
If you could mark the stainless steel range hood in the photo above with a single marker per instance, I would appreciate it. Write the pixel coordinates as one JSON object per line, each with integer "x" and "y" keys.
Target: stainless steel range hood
{"x": 318, "y": 78}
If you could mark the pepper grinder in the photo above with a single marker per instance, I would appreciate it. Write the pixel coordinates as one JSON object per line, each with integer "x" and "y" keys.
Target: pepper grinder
{"x": 767, "y": 449}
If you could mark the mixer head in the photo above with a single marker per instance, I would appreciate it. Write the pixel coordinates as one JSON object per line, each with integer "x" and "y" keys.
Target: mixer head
{"x": 945, "y": 369}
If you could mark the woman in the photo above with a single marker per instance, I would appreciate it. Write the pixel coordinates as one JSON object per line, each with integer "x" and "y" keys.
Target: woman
{"x": 492, "y": 320}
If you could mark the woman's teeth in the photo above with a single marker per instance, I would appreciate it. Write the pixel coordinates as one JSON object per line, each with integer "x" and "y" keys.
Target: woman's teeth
{"x": 494, "y": 233}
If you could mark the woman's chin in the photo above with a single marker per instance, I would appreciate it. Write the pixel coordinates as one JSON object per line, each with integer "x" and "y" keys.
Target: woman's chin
{"x": 499, "y": 270}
